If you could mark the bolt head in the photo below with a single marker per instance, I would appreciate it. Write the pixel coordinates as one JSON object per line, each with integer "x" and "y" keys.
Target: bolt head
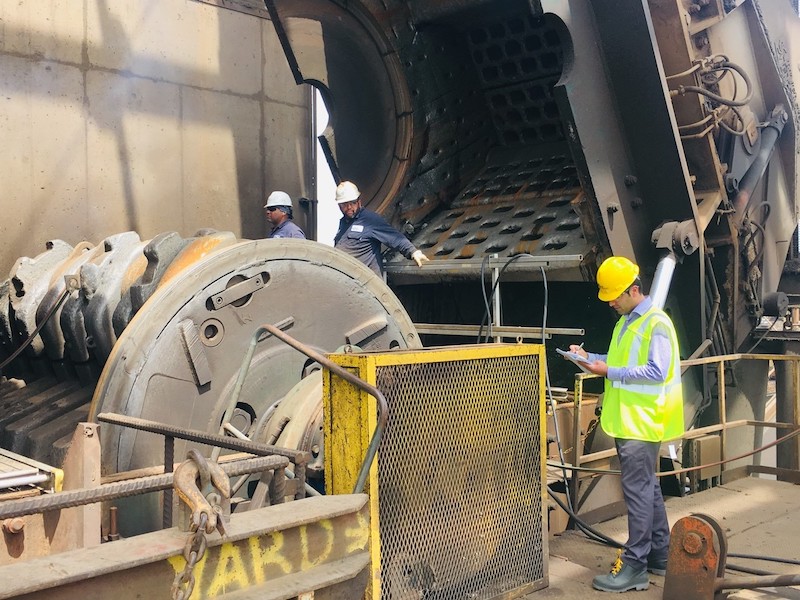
{"x": 15, "y": 525}
{"x": 693, "y": 543}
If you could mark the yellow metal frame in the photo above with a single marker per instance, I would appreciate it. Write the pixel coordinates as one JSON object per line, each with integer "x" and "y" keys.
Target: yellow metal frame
{"x": 350, "y": 417}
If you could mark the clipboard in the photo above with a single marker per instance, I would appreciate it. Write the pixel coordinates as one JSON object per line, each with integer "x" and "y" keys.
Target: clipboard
{"x": 576, "y": 358}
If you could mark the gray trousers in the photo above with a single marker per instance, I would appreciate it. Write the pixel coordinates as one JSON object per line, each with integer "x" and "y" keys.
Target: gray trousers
{"x": 648, "y": 528}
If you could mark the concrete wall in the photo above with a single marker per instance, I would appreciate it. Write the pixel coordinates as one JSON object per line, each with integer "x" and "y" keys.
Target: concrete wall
{"x": 153, "y": 115}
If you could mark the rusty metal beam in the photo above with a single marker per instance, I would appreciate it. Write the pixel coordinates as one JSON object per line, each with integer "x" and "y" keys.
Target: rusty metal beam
{"x": 273, "y": 553}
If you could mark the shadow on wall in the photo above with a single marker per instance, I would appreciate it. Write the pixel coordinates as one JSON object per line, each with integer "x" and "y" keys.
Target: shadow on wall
{"x": 143, "y": 134}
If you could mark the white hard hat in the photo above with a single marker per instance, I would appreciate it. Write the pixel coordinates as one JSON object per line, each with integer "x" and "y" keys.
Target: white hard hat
{"x": 278, "y": 199}
{"x": 347, "y": 191}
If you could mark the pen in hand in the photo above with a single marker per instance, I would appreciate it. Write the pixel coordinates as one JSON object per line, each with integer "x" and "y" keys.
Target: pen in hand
{"x": 576, "y": 348}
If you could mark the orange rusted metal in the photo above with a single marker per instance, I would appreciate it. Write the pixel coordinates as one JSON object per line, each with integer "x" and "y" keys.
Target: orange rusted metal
{"x": 196, "y": 251}
{"x": 696, "y": 558}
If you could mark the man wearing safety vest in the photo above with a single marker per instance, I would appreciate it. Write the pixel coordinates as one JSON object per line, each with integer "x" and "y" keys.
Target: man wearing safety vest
{"x": 642, "y": 406}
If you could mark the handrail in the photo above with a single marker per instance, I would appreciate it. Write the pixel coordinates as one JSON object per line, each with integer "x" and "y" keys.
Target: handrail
{"x": 383, "y": 407}
{"x": 722, "y": 427}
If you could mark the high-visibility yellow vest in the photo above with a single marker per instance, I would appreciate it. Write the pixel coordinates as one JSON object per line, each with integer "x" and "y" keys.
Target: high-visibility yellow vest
{"x": 649, "y": 411}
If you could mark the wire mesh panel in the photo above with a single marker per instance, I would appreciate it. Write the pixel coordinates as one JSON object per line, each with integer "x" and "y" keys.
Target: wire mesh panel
{"x": 460, "y": 475}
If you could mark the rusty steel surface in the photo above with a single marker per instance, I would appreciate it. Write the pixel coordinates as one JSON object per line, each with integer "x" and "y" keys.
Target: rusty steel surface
{"x": 124, "y": 489}
{"x": 213, "y": 480}
{"x": 279, "y": 552}
{"x": 697, "y": 560}
{"x": 697, "y": 554}
{"x": 41, "y": 533}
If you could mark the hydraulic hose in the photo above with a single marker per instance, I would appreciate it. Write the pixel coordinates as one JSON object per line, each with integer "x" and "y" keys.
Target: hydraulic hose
{"x": 769, "y": 138}
{"x": 38, "y": 328}
{"x": 684, "y": 89}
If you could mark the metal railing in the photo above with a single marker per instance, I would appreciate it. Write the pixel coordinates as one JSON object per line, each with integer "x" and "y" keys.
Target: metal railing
{"x": 722, "y": 427}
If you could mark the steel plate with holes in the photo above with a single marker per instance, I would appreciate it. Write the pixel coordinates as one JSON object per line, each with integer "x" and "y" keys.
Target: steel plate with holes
{"x": 458, "y": 488}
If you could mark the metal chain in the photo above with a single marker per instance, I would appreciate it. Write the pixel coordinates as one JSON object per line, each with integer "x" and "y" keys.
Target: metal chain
{"x": 193, "y": 552}
{"x": 585, "y": 435}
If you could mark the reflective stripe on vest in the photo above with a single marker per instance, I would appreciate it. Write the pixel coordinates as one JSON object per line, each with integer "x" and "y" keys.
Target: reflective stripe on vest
{"x": 648, "y": 411}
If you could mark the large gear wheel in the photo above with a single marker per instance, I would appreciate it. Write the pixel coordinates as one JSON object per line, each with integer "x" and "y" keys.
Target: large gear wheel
{"x": 196, "y": 307}
{"x": 178, "y": 359}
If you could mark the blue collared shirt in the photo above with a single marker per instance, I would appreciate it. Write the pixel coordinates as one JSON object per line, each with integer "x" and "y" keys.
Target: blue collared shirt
{"x": 659, "y": 354}
{"x": 287, "y": 229}
{"x": 362, "y": 236}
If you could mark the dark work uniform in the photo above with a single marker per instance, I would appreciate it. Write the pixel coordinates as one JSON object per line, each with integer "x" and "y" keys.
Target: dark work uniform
{"x": 362, "y": 236}
{"x": 287, "y": 229}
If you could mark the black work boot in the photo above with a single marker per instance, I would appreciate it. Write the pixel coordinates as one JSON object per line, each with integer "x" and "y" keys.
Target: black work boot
{"x": 657, "y": 566}
{"x": 623, "y": 577}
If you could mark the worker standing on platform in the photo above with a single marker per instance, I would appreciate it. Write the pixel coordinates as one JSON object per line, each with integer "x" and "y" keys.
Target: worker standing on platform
{"x": 279, "y": 216}
{"x": 361, "y": 231}
{"x": 642, "y": 406}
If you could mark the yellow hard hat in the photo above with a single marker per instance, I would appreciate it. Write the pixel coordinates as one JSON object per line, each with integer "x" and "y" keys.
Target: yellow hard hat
{"x": 614, "y": 276}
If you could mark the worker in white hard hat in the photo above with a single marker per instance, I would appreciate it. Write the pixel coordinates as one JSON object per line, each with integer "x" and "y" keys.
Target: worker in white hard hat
{"x": 279, "y": 215}
{"x": 361, "y": 231}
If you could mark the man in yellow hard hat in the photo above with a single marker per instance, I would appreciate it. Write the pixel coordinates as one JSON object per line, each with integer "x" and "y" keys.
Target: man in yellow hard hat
{"x": 642, "y": 406}
{"x": 361, "y": 232}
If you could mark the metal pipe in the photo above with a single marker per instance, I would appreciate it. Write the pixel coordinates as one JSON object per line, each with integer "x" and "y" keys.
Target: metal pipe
{"x": 716, "y": 298}
{"x": 512, "y": 331}
{"x": 169, "y": 467}
{"x": 662, "y": 279}
{"x": 497, "y": 317}
{"x": 751, "y": 583}
{"x": 123, "y": 489}
{"x": 237, "y": 389}
{"x": 382, "y": 405}
{"x": 289, "y": 472}
{"x": 201, "y": 437}
{"x": 698, "y": 352}
{"x": 9, "y": 482}
{"x": 577, "y": 446}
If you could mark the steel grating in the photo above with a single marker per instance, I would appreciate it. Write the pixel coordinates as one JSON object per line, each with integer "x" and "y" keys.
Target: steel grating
{"x": 460, "y": 473}
{"x": 518, "y": 61}
{"x": 509, "y": 209}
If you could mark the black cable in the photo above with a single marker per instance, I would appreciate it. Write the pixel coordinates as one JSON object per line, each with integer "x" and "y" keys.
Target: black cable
{"x": 486, "y": 315}
{"x": 749, "y": 570}
{"x": 485, "y": 301}
{"x": 36, "y": 331}
{"x": 551, "y": 400}
{"x": 760, "y": 339}
{"x": 683, "y": 89}
{"x": 786, "y": 561}
{"x": 544, "y": 334}
{"x": 587, "y": 529}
